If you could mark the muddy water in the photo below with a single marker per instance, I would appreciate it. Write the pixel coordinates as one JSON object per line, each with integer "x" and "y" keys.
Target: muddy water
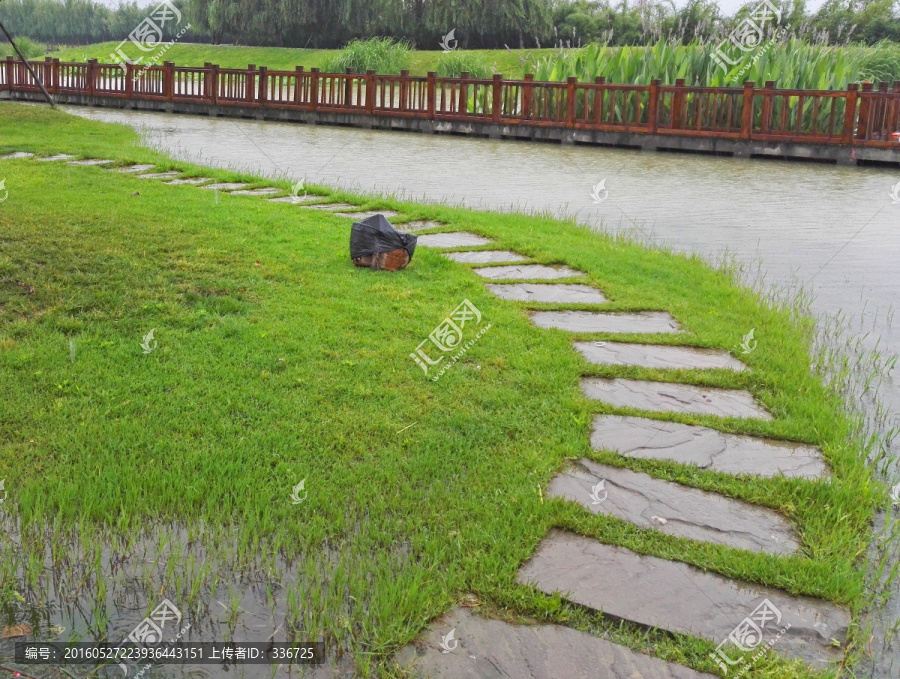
{"x": 834, "y": 231}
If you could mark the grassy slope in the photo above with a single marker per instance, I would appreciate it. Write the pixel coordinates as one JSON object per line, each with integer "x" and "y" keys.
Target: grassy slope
{"x": 282, "y": 58}
{"x": 299, "y": 367}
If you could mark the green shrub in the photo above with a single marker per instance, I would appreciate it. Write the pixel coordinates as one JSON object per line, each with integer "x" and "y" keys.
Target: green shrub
{"x": 452, "y": 64}
{"x": 30, "y": 48}
{"x": 383, "y": 55}
{"x": 881, "y": 63}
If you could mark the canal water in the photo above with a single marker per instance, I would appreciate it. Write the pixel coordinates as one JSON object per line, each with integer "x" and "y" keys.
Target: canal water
{"x": 831, "y": 231}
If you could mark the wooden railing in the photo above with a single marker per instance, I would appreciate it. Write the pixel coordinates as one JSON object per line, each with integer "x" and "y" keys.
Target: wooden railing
{"x": 859, "y": 116}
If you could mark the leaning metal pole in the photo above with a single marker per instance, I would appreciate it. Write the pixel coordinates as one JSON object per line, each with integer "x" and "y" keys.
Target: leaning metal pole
{"x": 28, "y": 66}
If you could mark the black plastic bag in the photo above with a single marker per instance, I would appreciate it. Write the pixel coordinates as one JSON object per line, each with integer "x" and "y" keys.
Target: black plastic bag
{"x": 375, "y": 235}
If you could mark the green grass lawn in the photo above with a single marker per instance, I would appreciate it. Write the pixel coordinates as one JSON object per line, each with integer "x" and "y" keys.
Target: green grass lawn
{"x": 511, "y": 63}
{"x": 278, "y": 361}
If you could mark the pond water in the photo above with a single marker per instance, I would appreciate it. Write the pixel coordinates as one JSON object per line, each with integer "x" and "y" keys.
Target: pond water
{"x": 834, "y": 231}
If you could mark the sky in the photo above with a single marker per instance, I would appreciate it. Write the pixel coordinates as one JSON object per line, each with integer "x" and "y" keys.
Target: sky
{"x": 729, "y": 7}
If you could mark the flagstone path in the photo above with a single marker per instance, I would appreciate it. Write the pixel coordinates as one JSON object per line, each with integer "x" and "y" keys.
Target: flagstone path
{"x": 527, "y": 272}
{"x": 657, "y": 356}
{"x": 673, "y": 397}
{"x": 677, "y": 597}
{"x": 645, "y": 590}
{"x": 591, "y": 321}
{"x": 674, "y": 509}
{"x": 706, "y": 448}
{"x": 493, "y": 649}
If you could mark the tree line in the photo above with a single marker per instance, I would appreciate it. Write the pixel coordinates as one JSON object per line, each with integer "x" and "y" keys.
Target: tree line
{"x": 422, "y": 23}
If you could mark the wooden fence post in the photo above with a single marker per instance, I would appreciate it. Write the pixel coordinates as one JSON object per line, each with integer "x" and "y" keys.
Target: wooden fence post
{"x": 463, "y": 96}
{"x": 570, "y": 100}
{"x": 250, "y": 89}
{"x": 348, "y": 89}
{"x": 169, "y": 79}
{"x": 298, "y": 85}
{"x": 768, "y": 95}
{"x": 92, "y": 76}
{"x": 497, "y": 101}
{"x": 527, "y": 96}
{"x": 599, "y": 95}
{"x": 46, "y": 74}
{"x": 747, "y": 110}
{"x": 370, "y": 92}
{"x": 55, "y": 75}
{"x": 10, "y": 72}
{"x": 263, "y": 85}
{"x": 404, "y": 90}
{"x": 850, "y": 113}
{"x": 212, "y": 84}
{"x": 129, "y": 80}
{"x": 653, "y": 106}
{"x": 678, "y": 105}
{"x": 431, "y": 94}
{"x": 865, "y": 110}
{"x": 314, "y": 89}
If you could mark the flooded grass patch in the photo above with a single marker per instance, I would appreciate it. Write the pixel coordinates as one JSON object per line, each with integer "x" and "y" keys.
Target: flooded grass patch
{"x": 274, "y": 361}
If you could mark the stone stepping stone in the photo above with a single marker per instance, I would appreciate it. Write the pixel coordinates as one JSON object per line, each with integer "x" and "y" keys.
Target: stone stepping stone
{"x": 590, "y": 321}
{"x": 419, "y": 225}
{"x": 674, "y": 509}
{"x": 60, "y": 156}
{"x": 225, "y": 186}
{"x": 16, "y": 155}
{"x": 485, "y": 257}
{"x": 189, "y": 180}
{"x": 160, "y": 175}
{"x": 673, "y": 397}
{"x": 90, "y": 162}
{"x": 647, "y": 439}
{"x": 657, "y": 356}
{"x": 485, "y": 648}
{"x": 680, "y": 598}
{"x": 332, "y": 207}
{"x": 296, "y": 200}
{"x": 134, "y": 168}
{"x": 554, "y": 293}
{"x": 365, "y": 215}
{"x": 263, "y": 191}
{"x": 454, "y": 239}
{"x": 525, "y": 271}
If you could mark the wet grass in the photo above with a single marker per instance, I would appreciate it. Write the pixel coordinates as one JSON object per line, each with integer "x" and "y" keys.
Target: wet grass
{"x": 278, "y": 361}
{"x": 512, "y": 63}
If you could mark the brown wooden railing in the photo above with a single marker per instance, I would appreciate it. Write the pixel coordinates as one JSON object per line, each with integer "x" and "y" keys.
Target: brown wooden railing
{"x": 859, "y": 116}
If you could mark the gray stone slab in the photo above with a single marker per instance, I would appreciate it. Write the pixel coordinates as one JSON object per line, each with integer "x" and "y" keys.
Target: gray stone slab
{"x": 674, "y": 509}
{"x": 454, "y": 239}
{"x": 332, "y": 207}
{"x": 16, "y": 155}
{"x": 189, "y": 180}
{"x": 225, "y": 186}
{"x": 647, "y": 439}
{"x": 90, "y": 162}
{"x": 554, "y": 293}
{"x": 590, "y": 321}
{"x": 525, "y": 272}
{"x": 680, "y": 598}
{"x": 672, "y": 397}
{"x": 657, "y": 356}
{"x": 160, "y": 175}
{"x": 418, "y": 225}
{"x": 485, "y": 257}
{"x": 59, "y": 156}
{"x": 134, "y": 168}
{"x": 262, "y": 191}
{"x": 387, "y": 214}
{"x": 297, "y": 200}
{"x": 485, "y": 648}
